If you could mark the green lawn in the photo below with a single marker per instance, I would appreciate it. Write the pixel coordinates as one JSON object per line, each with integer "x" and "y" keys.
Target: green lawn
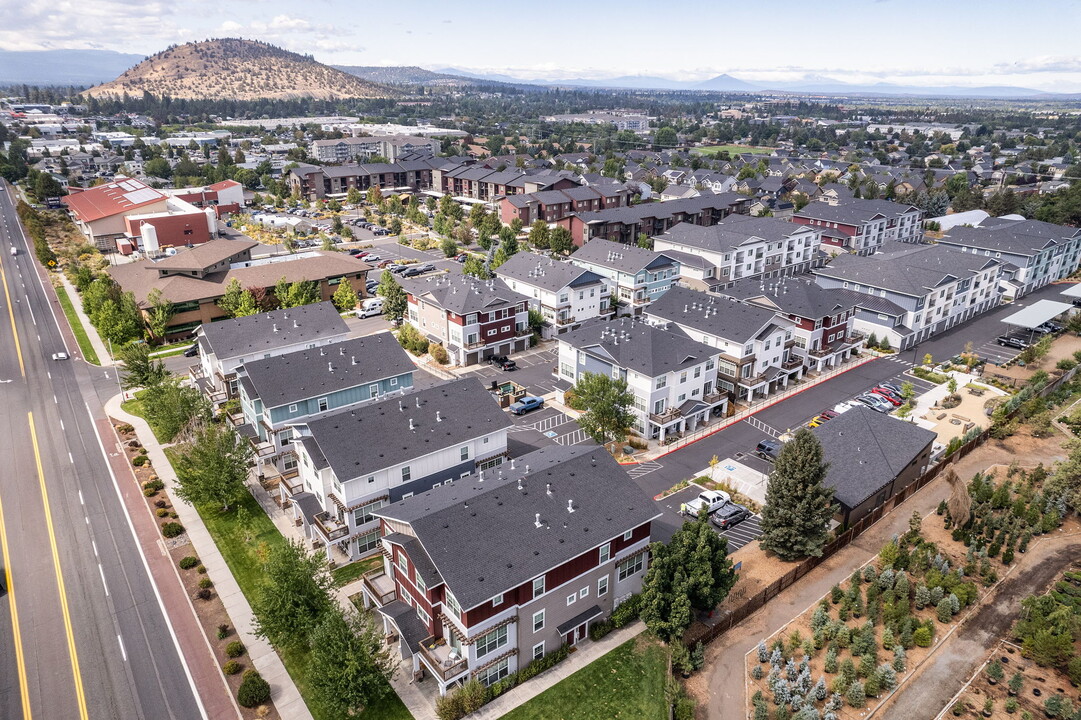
{"x": 243, "y": 545}
{"x": 346, "y": 574}
{"x": 77, "y": 327}
{"x": 626, "y": 683}
{"x": 732, "y": 149}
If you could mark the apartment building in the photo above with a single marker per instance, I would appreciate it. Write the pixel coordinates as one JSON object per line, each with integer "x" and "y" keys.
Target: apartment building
{"x": 314, "y": 181}
{"x": 485, "y": 574}
{"x": 935, "y": 287}
{"x": 625, "y": 224}
{"x": 673, "y": 378}
{"x": 390, "y": 147}
{"x": 822, "y": 318}
{"x": 282, "y": 390}
{"x": 740, "y": 247}
{"x": 354, "y": 462}
{"x": 227, "y": 344}
{"x": 1032, "y": 253}
{"x": 564, "y": 293}
{"x": 551, "y": 206}
{"x": 753, "y": 344}
{"x": 637, "y": 276}
{"x": 471, "y": 318}
{"x": 862, "y": 226}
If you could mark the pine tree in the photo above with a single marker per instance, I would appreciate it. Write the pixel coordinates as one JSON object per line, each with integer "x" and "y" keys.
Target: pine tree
{"x": 798, "y": 506}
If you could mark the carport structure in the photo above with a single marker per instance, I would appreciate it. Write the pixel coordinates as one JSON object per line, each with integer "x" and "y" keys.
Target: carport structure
{"x": 1073, "y": 292}
{"x": 1034, "y": 315}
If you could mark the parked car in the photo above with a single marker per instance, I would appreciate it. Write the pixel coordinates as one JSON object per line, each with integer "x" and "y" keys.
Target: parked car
{"x": 426, "y": 268}
{"x": 461, "y": 257}
{"x": 897, "y": 389}
{"x": 1012, "y": 341}
{"x": 711, "y": 500}
{"x": 388, "y": 264}
{"x": 768, "y": 449}
{"x": 192, "y": 351}
{"x": 817, "y": 421}
{"x": 829, "y": 414}
{"x": 892, "y": 397}
{"x": 502, "y": 362}
{"x": 526, "y": 404}
{"x": 60, "y": 356}
{"x": 412, "y": 271}
{"x": 875, "y": 402}
{"x": 370, "y": 258}
{"x": 1052, "y": 327}
{"x": 370, "y": 308}
{"x": 729, "y": 515}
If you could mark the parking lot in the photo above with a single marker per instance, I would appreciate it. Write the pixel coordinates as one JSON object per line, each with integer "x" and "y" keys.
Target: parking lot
{"x": 745, "y": 532}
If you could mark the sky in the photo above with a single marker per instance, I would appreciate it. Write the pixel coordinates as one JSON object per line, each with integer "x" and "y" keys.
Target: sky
{"x": 942, "y": 42}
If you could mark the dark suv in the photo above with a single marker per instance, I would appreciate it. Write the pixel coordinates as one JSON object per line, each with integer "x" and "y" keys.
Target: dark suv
{"x": 729, "y": 515}
{"x": 502, "y": 362}
{"x": 768, "y": 449}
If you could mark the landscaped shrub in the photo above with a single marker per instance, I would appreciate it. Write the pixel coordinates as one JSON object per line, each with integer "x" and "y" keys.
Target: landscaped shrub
{"x": 188, "y": 562}
{"x": 153, "y": 485}
{"x": 923, "y": 636}
{"x": 203, "y": 594}
{"x": 439, "y": 353}
{"x": 161, "y": 512}
{"x": 206, "y": 582}
{"x": 232, "y": 667}
{"x": 627, "y": 611}
{"x": 139, "y": 460}
{"x": 855, "y": 695}
{"x": 599, "y": 630}
{"x": 235, "y": 649}
{"x": 172, "y": 529}
{"x": 223, "y": 631}
{"x": 253, "y": 690}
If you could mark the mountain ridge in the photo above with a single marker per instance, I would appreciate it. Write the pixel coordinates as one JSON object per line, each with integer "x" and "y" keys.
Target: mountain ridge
{"x": 237, "y": 69}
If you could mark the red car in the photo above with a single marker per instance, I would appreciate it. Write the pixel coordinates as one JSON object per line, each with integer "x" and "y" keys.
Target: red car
{"x": 888, "y": 395}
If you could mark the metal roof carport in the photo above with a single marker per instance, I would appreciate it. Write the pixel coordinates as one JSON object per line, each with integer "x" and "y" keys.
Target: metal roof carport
{"x": 1036, "y": 314}
{"x": 1074, "y": 291}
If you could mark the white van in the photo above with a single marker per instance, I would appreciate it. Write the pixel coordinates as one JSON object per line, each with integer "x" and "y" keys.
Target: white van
{"x": 370, "y": 308}
{"x": 14, "y": 250}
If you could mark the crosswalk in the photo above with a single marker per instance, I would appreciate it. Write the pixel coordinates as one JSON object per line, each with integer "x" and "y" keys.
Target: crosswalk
{"x": 898, "y": 359}
{"x": 572, "y": 438}
{"x": 759, "y": 425}
{"x": 644, "y": 469}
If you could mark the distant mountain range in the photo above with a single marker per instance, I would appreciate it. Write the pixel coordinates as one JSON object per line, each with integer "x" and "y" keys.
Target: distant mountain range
{"x": 89, "y": 67}
{"x": 63, "y": 67}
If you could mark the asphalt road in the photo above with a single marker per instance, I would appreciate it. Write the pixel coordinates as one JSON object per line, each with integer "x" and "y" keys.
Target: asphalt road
{"x": 82, "y": 633}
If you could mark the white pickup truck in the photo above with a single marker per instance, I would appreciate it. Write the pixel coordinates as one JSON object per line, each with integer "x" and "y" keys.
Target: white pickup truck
{"x": 709, "y": 499}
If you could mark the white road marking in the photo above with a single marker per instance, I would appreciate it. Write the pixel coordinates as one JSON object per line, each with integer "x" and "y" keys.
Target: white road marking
{"x": 95, "y": 546}
{"x": 87, "y": 519}
{"x": 55, "y": 400}
{"x": 70, "y": 458}
{"x": 81, "y": 501}
{"x": 49, "y": 373}
{"x": 102, "y": 573}
{"x": 61, "y": 424}
{"x": 124, "y": 652}
{"x": 31, "y": 309}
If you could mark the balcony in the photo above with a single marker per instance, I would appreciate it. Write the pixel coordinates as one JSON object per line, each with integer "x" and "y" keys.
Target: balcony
{"x": 565, "y": 321}
{"x": 331, "y": 527}
{"x": 665, "y": 417}
{"x": 441, "y": 659}
{"x": 474, "y": 345}
{"x": 379, "y": 586}
{"x": 821, "y": 352}
{"x": 714, "y": 397}
{"x": 752, "y": 381}
{"x": 523, "y": 332}
{"x": 791, "y": 363}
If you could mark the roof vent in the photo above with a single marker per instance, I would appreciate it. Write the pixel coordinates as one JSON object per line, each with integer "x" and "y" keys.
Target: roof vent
{"x": 296, "y": 324}
{"x": 512, "y": 463}
{"x": 548, "y": 488}
{"x": 481, "y": 476}
{"x": 537, "y": 522}
{"x": 401, "y": 406}
{"x": 570, "y": 506}
{"x": 418, "y": 400}
{"x": 330, "y": 367}
{"x": 520, "y": 487}
{"x": 275, "y": 327}
{"x": 411, "y": 425}
{"x": 438, "y": 416}
{"x": 353, "y": 360}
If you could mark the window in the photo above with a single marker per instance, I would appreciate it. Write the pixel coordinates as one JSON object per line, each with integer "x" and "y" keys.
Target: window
{"x": 421, "y": 585}
{"x": 289, "y": 462}
{"x": 662, "y": 381}
{"x": 324, "y": 404}
{"x": 538, "y": 621}
{"x": 627, "y": 535}
{"x": 403, "y": 563}
{"x": 538, "y": 586}
{"x": 538, "y": 650}
{"x": 602, "y": 586}
{"x": 452, "y": 603}
{"x": 363, "y": 514}
{"x": 371, "y": 479}
{"x": 572, "y": 598}
{"x": 491, "y": 641}
{"x": 683, "y": 377}
{"x": 406, "y": 474}
{"x": 373, "y": 391}
{"x": 495, "y": 673}
{"x": 292, "y": 408}
{"x": 491, "y": 332}
{"x": 584, "y": 592}
{"x": 394, "y": 382}
{"x": 630, "y": 567}
{"x": 497, "y": 600}
{"x": 606, "y": 552}
{"x": 698, "y": 372}
{"x": 465, "y": 453}
{"x": 368, "y": 541}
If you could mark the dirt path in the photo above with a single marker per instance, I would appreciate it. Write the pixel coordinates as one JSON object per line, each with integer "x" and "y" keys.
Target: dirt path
{"x": 960, "y": 655}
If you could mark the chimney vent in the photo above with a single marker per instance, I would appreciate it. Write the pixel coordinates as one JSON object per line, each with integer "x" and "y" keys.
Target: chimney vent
{"x": 411, "y": 425}
{"x": 438, "y": 416}
{"x": 401, "y": 406}
{"x": 296, "y": 324}
{"x": 330, "y": 366}
{"x": 353, "y": 360}
{"x": 548, "y": 488}
{"x": 418, "y": 400}
{"x": 570, "y": 506}
{"x": 537, "y": 522}
{"x": 520, "y": 484}
{"x": 275, "y": 327}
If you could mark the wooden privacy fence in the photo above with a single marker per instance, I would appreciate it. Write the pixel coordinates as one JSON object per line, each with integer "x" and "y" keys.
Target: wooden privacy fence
{"x": 702, "y": 633}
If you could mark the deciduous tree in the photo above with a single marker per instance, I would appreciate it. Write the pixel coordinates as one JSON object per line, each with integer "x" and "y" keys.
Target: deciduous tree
{"x": 213, "y": 465}
{"x": 395, "y": 301}
{"x": 607, "y": 402}
{"x": 140, "y": 370}
{"x": 349, "y": 665}
{"x": 294, "y": 597}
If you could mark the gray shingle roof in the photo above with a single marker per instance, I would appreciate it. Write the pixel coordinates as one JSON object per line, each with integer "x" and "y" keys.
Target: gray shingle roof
{"x": 617, "y": 256}
{"x": 545, "y": 273}
{"x": 722, "y": 317}
{"x": 855, "y": 211}
{"x": 377, "y": 435}
{"x": 256, "y": 333}
{"x": 1023, "y": 237}
{"x": 307, "y": 373}
{"x": 906, "y": 268}
{"x": 638, "y": 346}
{"x": 635, "y": 213}
{"x": 792, "y": 295}
{"x": 734, "y": 231}
{"x": 462, "y": 294}
{"x": 482, "y": 536}
{"x": 866, "y": 450}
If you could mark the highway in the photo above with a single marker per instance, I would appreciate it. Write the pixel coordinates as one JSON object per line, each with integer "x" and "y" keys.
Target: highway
{"x": 82, "y": 631}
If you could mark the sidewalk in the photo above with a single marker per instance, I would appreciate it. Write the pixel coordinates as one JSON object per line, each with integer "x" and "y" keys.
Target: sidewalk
{"x": 91, "y": 332}
{"x": 283, "y": 691}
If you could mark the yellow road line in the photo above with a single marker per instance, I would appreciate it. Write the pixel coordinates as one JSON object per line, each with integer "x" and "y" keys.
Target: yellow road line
{"x": 11, "y": 315}
{"x": 20, "y": 661}
{"x": 80, "y": 696}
